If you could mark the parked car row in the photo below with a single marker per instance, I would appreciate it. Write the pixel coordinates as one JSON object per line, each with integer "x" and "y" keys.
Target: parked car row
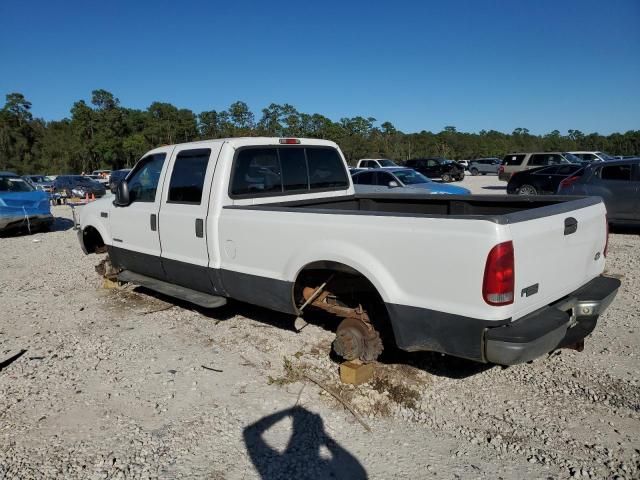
{"x": 95, "y": 183}
{"x": 449, "y": 170}
{"x": 401, "y": 180}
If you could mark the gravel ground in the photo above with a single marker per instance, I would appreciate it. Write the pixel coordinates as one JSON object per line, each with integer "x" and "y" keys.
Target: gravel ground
{"x": 110, "y": 383}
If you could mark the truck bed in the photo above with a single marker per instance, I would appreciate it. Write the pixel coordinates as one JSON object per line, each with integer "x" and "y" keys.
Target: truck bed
{"x": 500, "y": 209}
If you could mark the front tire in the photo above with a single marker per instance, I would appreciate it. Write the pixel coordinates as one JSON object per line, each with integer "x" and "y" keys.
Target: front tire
{"x": 474, "y": 171}
{"x": 446, "y": 177}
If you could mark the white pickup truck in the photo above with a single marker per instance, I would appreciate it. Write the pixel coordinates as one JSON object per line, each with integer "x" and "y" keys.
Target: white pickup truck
{"x": 376, "y": 163}
{"x": 275, "y": 222}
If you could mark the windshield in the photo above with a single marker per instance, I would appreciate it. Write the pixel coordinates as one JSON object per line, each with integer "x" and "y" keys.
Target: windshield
{"x": 571, "y": 157}
{"x": 606, "y": 156}
{"x": 387, "y": 163}
{"x": 410, "y": 177}
{"x": 37, "y": 178}
{"x": 14, "y": 184}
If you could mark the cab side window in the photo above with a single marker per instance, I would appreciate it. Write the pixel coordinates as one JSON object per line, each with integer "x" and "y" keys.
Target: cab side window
{"x": 143, "y": 181}
{"x": 187, "y": 178}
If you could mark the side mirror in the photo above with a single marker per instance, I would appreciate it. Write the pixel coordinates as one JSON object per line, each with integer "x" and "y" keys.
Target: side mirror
{"x": 122, "y": 195}
{"x": 393, "y": 184}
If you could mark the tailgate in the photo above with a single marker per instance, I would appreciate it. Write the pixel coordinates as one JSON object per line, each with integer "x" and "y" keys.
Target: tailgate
{"x": 556, "y": 254}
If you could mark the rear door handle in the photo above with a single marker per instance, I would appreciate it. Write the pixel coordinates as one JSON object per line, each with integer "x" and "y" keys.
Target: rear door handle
{"x": 199, "y": 228}
{"x": 153, "y": 221}
{"x": 570, "y": 225}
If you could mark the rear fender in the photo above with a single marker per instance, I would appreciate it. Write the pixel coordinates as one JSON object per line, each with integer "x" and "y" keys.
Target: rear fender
{"x": 347, "y": 254}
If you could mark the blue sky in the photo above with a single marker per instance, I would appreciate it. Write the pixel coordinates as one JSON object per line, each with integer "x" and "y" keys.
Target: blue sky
{"x": 542, "y": 65}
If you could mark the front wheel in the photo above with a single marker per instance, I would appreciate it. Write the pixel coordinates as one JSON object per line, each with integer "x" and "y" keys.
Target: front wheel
{"x": 446, "y": 177}
{"x": 527, "y": 190}
{"x": 474, "y": 171}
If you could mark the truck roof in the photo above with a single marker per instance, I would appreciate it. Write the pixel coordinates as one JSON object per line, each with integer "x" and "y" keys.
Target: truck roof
{"x": 237, "y": 142}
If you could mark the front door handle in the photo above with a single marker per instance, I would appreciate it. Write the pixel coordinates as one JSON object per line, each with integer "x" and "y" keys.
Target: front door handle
{"x": 153, "y": 221}
{"x": 199, "y": 228}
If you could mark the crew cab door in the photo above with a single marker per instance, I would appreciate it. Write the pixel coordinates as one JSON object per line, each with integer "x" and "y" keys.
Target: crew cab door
{"x": 134, "y": 228}
{"x": 183, "y": 216}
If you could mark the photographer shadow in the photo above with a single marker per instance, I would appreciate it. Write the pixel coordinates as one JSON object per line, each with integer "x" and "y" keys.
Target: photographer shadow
{"x": 303, "y": 456}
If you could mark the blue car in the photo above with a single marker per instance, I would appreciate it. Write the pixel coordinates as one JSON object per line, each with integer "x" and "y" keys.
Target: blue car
{"x": 401, "y": 180}
{"x": 22, "y": 207}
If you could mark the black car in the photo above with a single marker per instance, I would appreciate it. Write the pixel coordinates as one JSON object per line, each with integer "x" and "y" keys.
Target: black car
{"x": 447, "y": 170}
{"x": 541, "y": 180}
{"x": 116, "y": 177}
{"x": 77, "y": 186}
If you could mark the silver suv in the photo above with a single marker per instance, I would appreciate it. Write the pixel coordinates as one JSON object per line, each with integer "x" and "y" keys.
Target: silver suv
{"x": 516, "y": 162}
{"x": 484, "y": 166}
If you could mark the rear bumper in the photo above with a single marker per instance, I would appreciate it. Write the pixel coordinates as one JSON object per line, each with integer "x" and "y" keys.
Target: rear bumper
{"x": 504, "y": 176}
{"x": 504, "y": 342}
{"x": 563, "y": 323}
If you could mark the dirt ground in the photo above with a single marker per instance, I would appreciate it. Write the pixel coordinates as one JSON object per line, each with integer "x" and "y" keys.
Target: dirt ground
{"x": 123, "y": 383}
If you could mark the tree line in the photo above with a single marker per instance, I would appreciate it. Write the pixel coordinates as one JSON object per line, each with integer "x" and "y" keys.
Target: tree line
{"x": 104, "y": 134}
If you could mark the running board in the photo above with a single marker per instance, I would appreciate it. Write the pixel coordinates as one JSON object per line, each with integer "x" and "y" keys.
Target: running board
{"x": 193, "y": 296}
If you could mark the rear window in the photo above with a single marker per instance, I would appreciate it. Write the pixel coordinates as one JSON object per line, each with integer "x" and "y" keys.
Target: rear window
{"x": 326, "y": 169}
{"x": 275, "y": 170}
{"x": 513, "y": 160}
{"x": 616, "y": 172}
{"x": 187, "y": 178}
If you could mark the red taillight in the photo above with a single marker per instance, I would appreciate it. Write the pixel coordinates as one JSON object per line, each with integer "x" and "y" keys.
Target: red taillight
{"x": 499, "y": 275}
{"x": 501, "y": 169}
{"x": 290, "y": 141}
{"x": 606, "y": 242}
{"x": 567, "y": 182}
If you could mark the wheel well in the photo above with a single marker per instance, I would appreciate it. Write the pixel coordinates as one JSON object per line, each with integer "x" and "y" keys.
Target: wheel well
{"x": 93, "y": 242}
{"x": 350, "y": 288}
{"x": 346, "y": 281}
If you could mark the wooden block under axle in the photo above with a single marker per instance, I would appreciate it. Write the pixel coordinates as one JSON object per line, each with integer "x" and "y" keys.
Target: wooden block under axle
{"x": 107, "y": 283}
{"x": 356, "y": 373}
